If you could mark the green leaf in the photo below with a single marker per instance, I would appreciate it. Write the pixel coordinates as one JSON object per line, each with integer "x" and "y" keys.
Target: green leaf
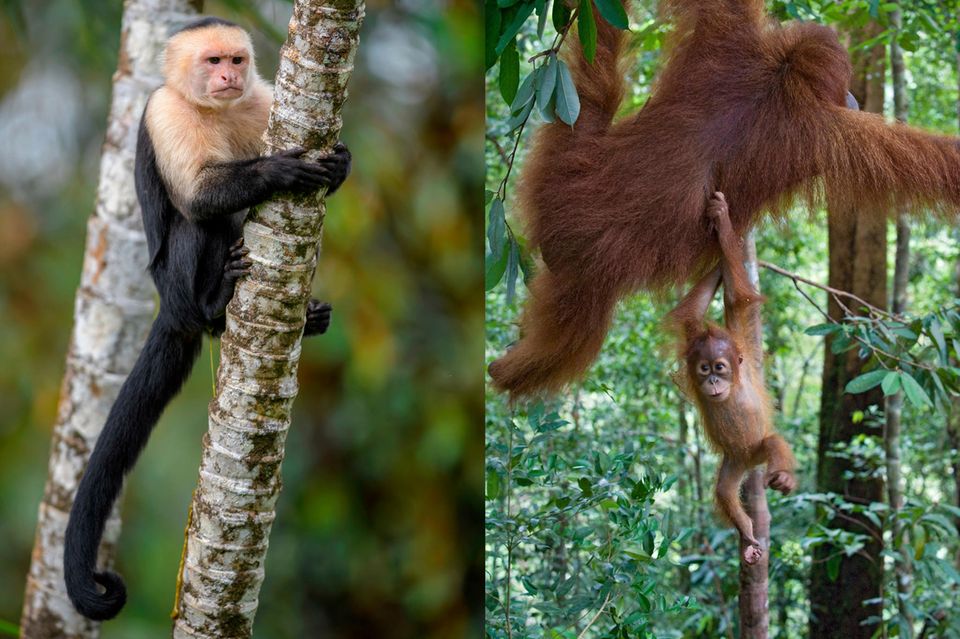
{"x": 561, "y": 15}
{"x": 493, "y": 484}
{"x": 566, "y": 586}
{"x": 497, "y": 229}
{"x": 833, "y": 567}
{"x": 822, "y": 329}
{"x": 8, "y": 628}
{"x": 643, "y": 602}
{"x": 908, "y": 41}
{"x": 513, "y": 270}
{"x": 524, "y": 94}
{"x": 528, "y": 585}
{"x": 495, "y": 269}
{"x": 568, "y": 102}
{"x": 587, "y": 30}
{"x": 585, "y": 486}
{"x": 648, "y": 542}
{"x": 936, "y": 331}
{"x": 541, "y": 6}
{"x": 491, "y": 15}
{"x": 919, "y": 542}
{"x": 513, "y": 28}
{"x": 891, "y": 383}
{"x": 913, "y": 390}
{"x": 865, "y": 382}
{"x": 527, "y": 266}
{"x": 509, "y": 72}
{"x": 518, "y": 119}
{"x": 547, "y": 87}
{"x": 613, "y": 12}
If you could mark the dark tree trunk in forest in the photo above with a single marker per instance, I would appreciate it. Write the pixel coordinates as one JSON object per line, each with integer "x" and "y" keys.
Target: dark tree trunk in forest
{"x": 858, "y": 263}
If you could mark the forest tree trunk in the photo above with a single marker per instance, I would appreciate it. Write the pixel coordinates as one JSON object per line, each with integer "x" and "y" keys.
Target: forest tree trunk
{"x": 894, "y": 404}
{"x": 754, "y": 581}
{"x": 953, "y": 424}
{"x": 953, "y": 419}
{"x": 112, "y": 314}
{"x": 858, "y": 264}
{"x": 234, "y": 503}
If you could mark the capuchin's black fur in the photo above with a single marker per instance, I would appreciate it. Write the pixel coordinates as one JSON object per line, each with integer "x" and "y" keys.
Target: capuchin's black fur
{"x": 195, "y": 262}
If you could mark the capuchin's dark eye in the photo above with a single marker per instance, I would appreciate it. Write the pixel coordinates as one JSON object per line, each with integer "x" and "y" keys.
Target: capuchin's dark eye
{"x": 213, "y": 60}
{"x": 237, "y": 60}
{"x": 719, "y": 367}
{"x": 704, "y": 368}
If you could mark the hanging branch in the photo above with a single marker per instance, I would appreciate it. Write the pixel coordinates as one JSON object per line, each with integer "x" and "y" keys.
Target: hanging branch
{"x": 876, "y": 314}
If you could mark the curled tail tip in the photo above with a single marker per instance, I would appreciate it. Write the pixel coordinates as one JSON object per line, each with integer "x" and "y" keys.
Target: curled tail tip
{"x": 93, "y": 604}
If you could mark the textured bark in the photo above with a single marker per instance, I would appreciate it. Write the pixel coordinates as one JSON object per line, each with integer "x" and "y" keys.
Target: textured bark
{"x": 754, "y": 587}
{"x": 858, "y": 263}
{"x": 112, "y": 314}
{"x": 234, "y": 503}
{"x": 894, "y": 404}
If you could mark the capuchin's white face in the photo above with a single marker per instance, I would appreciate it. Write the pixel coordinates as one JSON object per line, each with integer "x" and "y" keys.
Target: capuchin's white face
{"x": 221, "y": 73}
{"x": 210, "y": 66}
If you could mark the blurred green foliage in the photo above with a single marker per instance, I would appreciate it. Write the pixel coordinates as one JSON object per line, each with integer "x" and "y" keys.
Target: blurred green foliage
{"x": 379, "y": 527}
{"x": 574, "y": 549}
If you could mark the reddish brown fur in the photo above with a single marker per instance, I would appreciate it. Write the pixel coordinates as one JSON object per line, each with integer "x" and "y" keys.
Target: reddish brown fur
{"x": 740, "y": 426}
{"x": 742, "y": 105}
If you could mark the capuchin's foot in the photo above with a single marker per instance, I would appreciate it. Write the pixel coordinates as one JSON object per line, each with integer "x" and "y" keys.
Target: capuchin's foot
{"x": 318, "y": 317}
{"x": 237, "y": 263}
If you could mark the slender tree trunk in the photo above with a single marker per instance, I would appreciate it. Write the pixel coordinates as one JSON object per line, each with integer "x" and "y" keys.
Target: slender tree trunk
{"x": 112, "y": 314}
{"x": 754, "y": 589}
{"x": 953, "y": 425}
{"x": 953, "y": 430}
{"x": 953, "y": 420}
{"x": 858, "y": 263}
{"x": 894, "y": 404}
{"x": 234, "y": 503}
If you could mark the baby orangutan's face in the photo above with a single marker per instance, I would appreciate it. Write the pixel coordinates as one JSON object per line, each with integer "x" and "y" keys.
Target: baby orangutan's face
{"x": 713, "y": 363}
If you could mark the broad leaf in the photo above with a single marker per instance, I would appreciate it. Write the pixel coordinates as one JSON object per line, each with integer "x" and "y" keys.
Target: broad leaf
{"x": 568, "y": 102}
{"x": 613, "y": 12}
{"x": 587, "y": 30}
{"x": 865, "y": 382}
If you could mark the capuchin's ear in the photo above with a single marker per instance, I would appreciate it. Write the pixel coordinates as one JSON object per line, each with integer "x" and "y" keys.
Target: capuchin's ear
{"x": 852, "y": 102}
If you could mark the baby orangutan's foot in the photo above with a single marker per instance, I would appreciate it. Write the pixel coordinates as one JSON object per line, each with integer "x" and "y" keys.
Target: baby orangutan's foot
{"x": 781, "y": 480}
{"x": 752, "y": 552}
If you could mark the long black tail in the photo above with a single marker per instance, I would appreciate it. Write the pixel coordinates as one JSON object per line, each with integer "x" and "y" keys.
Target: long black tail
{"x": 161, "y": 369}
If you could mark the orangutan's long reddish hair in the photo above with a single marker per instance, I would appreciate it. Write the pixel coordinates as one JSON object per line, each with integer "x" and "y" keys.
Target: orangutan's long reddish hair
{"x": 742, "y": 105}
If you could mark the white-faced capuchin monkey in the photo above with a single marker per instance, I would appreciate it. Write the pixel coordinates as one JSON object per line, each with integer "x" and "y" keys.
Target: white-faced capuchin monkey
{"x": 198, "y": 169}
{"x": 724, "y": 371}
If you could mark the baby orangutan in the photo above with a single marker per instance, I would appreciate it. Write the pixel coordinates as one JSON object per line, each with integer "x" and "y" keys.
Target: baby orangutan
{"x": 724, "y": 373}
